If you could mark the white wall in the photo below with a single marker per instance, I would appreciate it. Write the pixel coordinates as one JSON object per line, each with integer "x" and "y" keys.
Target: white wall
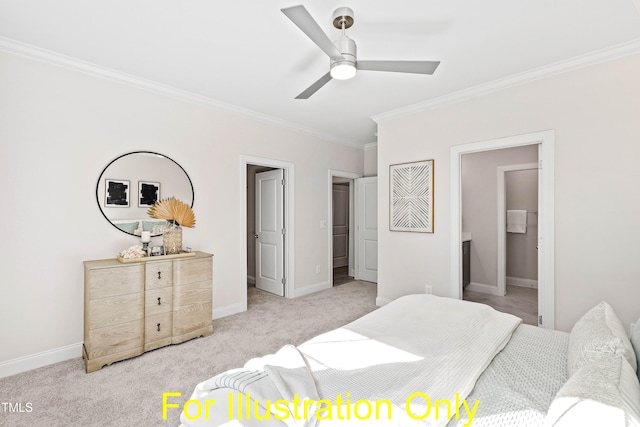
{"x": 371, "y": 160}
{"x": 594, "y": 112}
{"x": 59, "y": 130}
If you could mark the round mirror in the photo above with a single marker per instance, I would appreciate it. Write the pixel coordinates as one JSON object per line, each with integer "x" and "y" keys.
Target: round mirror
{"x": 131, "y": 183}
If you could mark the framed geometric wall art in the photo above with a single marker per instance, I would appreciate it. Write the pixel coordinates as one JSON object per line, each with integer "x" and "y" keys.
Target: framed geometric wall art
{"x": 116, "y": 192}
{"x": 148, "y": 193}
{"x": 411, "y": 197}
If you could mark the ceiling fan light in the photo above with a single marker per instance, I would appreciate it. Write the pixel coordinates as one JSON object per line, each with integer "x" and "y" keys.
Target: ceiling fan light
{"x": 343, "y": 70}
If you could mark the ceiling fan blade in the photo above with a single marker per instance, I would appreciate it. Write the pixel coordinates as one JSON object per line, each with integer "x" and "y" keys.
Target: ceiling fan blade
{"x": 315, "y": 87}
{"x": 416, "y": 67}
{"x": 301, "y": 17}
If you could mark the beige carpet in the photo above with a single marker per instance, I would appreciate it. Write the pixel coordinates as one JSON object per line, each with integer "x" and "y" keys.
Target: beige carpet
{"x": 129, "y": 393}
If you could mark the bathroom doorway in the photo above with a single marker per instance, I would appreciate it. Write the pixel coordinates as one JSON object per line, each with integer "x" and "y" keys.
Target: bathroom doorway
{"x": 518, "y": 240}
{"x": 493, "y": 251}
{"x": 543, "y": 142}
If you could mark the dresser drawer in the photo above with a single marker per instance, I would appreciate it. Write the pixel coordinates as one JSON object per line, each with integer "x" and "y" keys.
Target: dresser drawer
{"x": 192, "y": 294}
{"x": 110, "y": 311}
{"x": 158, "y": 274}
{"x": 191, "y": 307}
{"x": 106, "y": 282}
{"x": 115, "y": 339}
{"x": 157, "y": 328}
{"x": 157, "y": 301}
{"x": 192, "y": 270}
{"x": 191, "y": 319}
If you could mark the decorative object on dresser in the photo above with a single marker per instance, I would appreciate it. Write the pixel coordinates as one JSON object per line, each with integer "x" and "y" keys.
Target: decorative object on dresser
{"x": 142, "y": 304}
{"x": 132, "y": 253}
{"x": 177, "y": 214}
{"x": 145, "y": 238}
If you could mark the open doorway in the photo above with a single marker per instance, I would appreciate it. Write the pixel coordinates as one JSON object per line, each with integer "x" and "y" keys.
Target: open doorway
{"x": 342, "y": 230}
{"x": 279, "y": 271}
{"x": 341, "y": 227}
{"x": 265, "y": 225}
{"x": 518, "y": 193}
{"x": 544, "y": 141}
{"x": 497, "y": 243}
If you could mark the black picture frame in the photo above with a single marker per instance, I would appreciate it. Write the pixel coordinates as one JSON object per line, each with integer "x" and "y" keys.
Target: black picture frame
{"x": 148, "y": 193}
{"x": 116, "y": 193}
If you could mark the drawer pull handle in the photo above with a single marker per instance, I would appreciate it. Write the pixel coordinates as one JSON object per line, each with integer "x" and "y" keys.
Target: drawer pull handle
{"x": 159, "y": 303}
{"x": 159, "y": 275}
{"x": 158, "y": 327}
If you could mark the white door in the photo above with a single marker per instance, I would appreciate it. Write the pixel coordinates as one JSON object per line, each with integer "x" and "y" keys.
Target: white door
{"x": 270, "y": 231}
{"x": 367, "y": 229}
{"x": 340, "y": 225}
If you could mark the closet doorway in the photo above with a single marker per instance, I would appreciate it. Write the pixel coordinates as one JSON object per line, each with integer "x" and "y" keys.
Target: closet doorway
{"x": 342, "y": 230}
{"x": 341, "y": 226}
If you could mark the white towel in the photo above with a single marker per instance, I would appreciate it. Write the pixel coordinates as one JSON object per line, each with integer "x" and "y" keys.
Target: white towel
{"x": 516, "y": 221}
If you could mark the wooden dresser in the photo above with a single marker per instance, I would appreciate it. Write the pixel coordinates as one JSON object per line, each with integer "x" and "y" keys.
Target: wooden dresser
{"x": 133, "y": 307}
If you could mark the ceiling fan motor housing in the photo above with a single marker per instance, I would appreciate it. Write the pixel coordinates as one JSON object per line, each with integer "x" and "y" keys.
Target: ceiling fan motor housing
{"x": 347, "y": 48}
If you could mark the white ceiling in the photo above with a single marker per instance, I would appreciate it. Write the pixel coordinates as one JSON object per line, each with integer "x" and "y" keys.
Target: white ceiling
{"x": 249, "y": 55}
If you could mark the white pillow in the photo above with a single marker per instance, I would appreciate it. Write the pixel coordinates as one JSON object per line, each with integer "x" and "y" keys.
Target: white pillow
{"x": 635, "y": 342}
{"x": 604, "y": 392}
{"x": 599, "y": 332}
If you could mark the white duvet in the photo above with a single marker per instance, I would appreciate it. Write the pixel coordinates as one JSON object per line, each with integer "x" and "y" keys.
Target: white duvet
{"x": 411, "y": 362}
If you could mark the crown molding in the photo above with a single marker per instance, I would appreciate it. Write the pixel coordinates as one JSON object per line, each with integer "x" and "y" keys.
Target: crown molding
{"x": 14, "y": 47}
{"x": 593, "y": 58}
{"x": 370, "y": 146}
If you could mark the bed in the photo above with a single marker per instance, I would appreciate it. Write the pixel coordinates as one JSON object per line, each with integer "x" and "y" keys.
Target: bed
{"x": 424, "y": 360}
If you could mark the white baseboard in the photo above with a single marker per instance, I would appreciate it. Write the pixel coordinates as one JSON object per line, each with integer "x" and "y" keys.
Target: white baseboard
{"x": 380, "y": 301}
{"x": 228, "y": 310}
{"x": 310, "y": 289}
{"x": 481, "y": 287}
{"x": 251, "y": 280}
{"x": 49, "y": 357}
{"x": 524, "y": 283}
{"x": 38, "y": 360}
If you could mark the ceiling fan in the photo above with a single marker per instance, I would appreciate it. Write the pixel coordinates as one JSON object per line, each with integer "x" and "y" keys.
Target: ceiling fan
{"x": 342, "y": 52}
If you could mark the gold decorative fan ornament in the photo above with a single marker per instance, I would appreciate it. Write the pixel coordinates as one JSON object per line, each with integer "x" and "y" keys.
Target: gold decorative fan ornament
{"x": 174, "y": 210}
